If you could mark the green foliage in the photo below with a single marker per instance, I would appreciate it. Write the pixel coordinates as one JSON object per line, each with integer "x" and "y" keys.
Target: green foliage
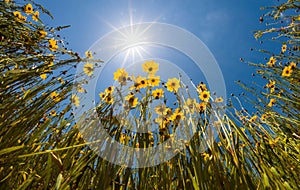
{"x": 41, "y": 147}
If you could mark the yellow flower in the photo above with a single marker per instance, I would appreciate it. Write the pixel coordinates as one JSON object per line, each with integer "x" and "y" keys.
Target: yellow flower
{"x": 23, "y": 18}
{"x": 201, "y": 107}
{"x": 124, "y": 138}
{"x": 161, "y": 109}
{"x": 220, "y": 144}
{"x": 18, "y": 14}
{"x": 283, "y": 48}
{"x": 205, "y": 156}
{"x": 173, "y": 85}
{"x": 177, "y": 115}
{"x": 75, "y": 100}
{"x": 272, "y": 102}
{"x": 253, "y": 118}
{"x": 150, "y": 67}
{"x": 52, "y": 44}
{"x": 121, "y": 76}
{"x": 43, "y": 76}
{"x": 219, "y": 100}
{"x": 28, "y": 9}
{"x": 154, "y": 81}
{"x": 61, "y": 80}
{"x": 271, "y": 62}
{"x": 190, "y": 105}
{"x": 132, "y": 100}
{"x": 263, "y": 117}
{"x": 109, "y": 90}
{"x": 55, "y": 96}
{"x": 88, "y": 69}
{"x": 271, "y": 85}
{"x": 158, "y": 93}
{"x": 201, "y": 87}
{"x": 80, "y": 89}
{"x": 287, "y": 71}
{"x": 204, "y": 96}
{"x": 109, "y": 99}
{"x": 53, "y": 113}
{"x": 102, "y": 95}
{"x": 42, "y": 33}
{"x": 89, "y": 54}
{"x": 140, "y": 82}
{"x": 36, "y": 16}
{"x": 293, "y": 65}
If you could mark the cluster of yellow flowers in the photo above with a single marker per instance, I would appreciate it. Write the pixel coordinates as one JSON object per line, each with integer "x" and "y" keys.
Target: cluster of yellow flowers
{"x": 28, "y": 9}
{"x": 287, "y": 70}
{"x": 154, "y": 88}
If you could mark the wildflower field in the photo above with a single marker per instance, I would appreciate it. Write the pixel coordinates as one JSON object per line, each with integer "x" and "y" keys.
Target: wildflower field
{"x": 205, "y": 142}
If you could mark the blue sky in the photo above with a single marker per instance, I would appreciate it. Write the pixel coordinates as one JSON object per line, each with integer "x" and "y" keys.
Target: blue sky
{"x": 226, "y": 27}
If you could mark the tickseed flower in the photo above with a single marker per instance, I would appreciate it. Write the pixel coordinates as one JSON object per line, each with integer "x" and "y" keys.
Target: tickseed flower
{"x": 272, "y": 102}
{"x": 42, "y": 33}
{"x": 52, "y": 44}
{"x": 140, "y": 82}
{"x": 263, "y": 117}
{"x": 36, "y": 16}
{"x": 201, "y": 87}
{"x": 102, "y": 95}
{"x": 124, "y": 138}
{"x": 23, "y": 18}
{"x": 18, "y": 14}
{"x": 271, "y": 62}
{"x": 158, "y": 93}
{"x": 219, "y": 100}
{"x": 173, "y": 85}
{"x": 253, "y": 118}
{"x": 132, "y": 100}
{"x": 161, "y": 109}
{"x": 293, "y": 65}
{"x": 61, "y": 80}
{"x": 287, "y": 71}
{"x": 204, "y": 96}
{"x": 201, "y": 107}
{"x": 109, "y": 90}
{"x": 121, "y": 76}
{"x": 75, "y": 100}
{"x": 205, "y": 156}
{"x": 80, "y": 89}
{"x": 154, "y": 81}
{"x": 55, "y": 96}
{"x": 53, "y": 113}
{"x": 28, "y": 9}
{"x": 109, "y": 99}
{"x": 283, "y": 48}
{"x": 150, "y": 67}
{"x": 88, "y": 69}
{"x": 271, "y": 85}
{"x": 177, "y": 115}
{"x": 190, "y": 105}
{"x": 43, "y": 76}
{"x": 89, "y": 54}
